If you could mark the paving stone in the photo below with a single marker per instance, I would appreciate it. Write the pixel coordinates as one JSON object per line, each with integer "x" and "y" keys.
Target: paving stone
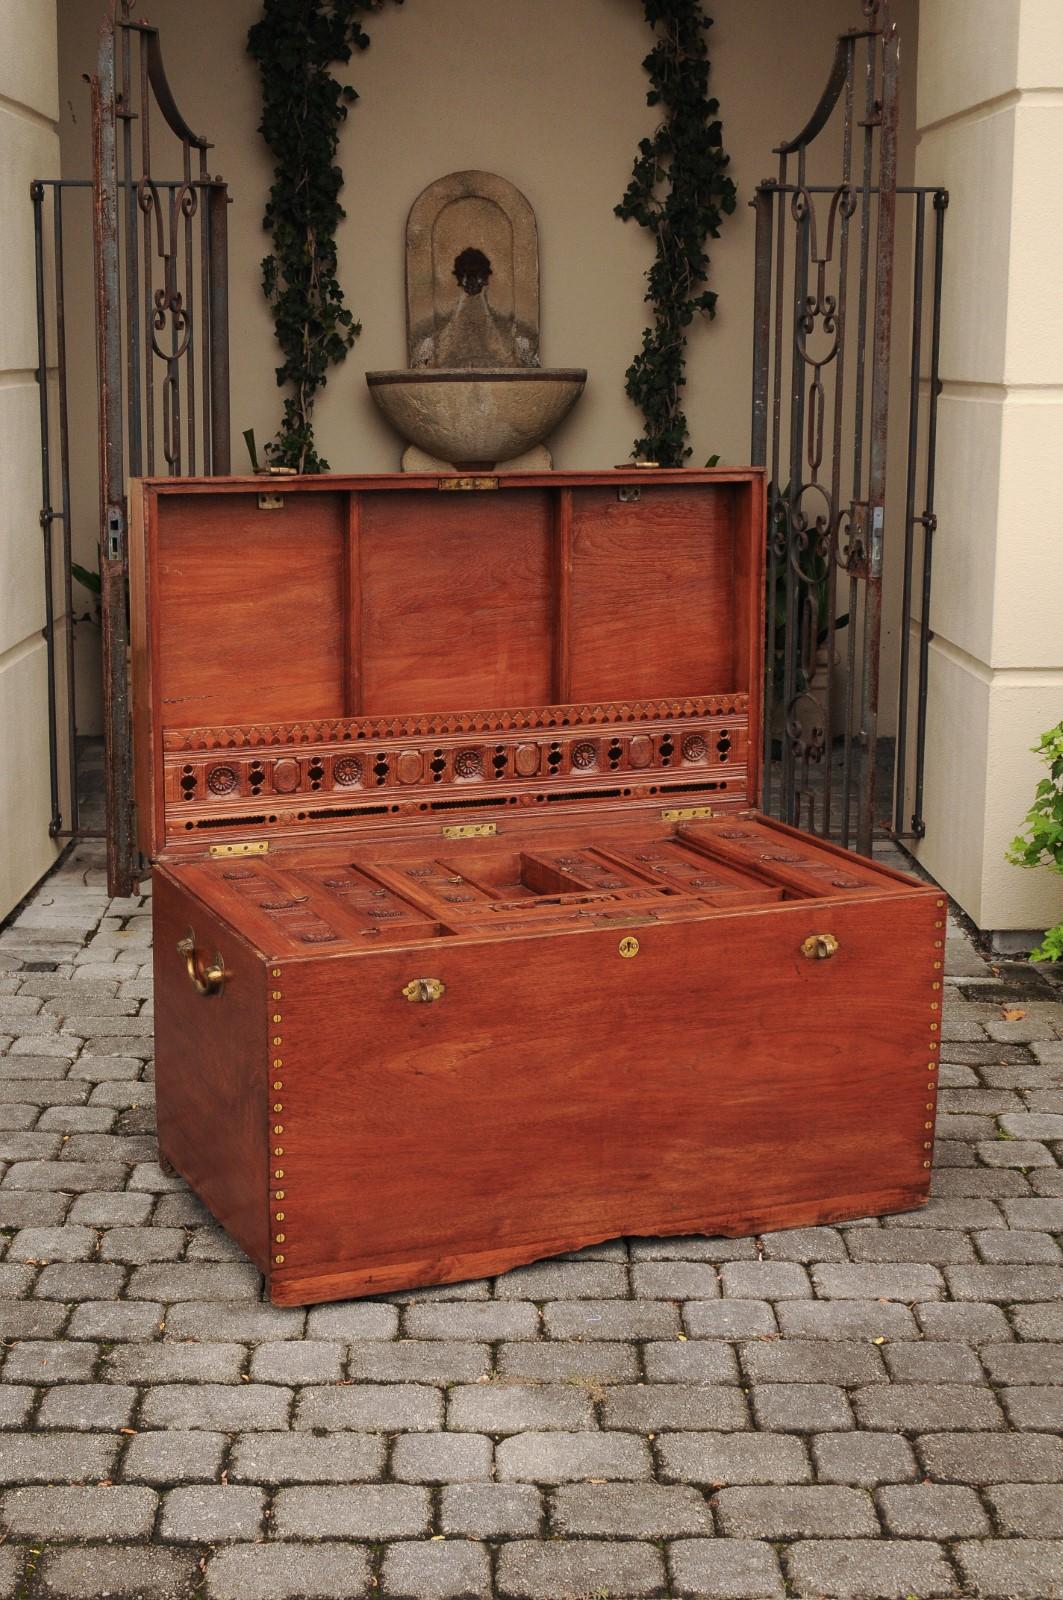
{"x": 993, "y": 1458}
{"x": 805, "y": 1244}
{"x": 860, "y": 1282}
{"x": 630, "y": 1510}
{"x": 1034, "y": 1213}
{"x": 594, "y": 1362}
{"x": 424, "y": 1360}
{"x": 936, "y": 1246}
{"x": 863, "y": 1458}
{"x": 765, "y": 1280}
{"x": 1006, "y": 1283}
{"x": 55, "y": 1458}
{"x": 977, "y": 1183}
{"x": 375, "y": 1511}
{"x": 357, "y": 1321}
{"x": 1022, "y": 1153}
{"x": 437, "y": 1293}
{"x": 279, "y": 1571}
{"x": 649, "y": 1408}
{"x": 223, "y": 1408}
{"x": 170, "y": 1362}
{"x": 933, "y": 1363}
{"x": 296, "y": 1457}
{"x": 564, "y": 1280}
{"x": 70, "y": 1119}
{"x": 1028, "y": 1510}
{"x": 185, "y": 1281}
{"x": 892, "y": 1569}
{"x": 794, "y": 1361}
{"x": 542, "y": 1571}
{"x": 817, "y": 1511}
{"x": 49, "y": 1361}
{"x": 1034, "y": 1407}
{"x": 80, "y": 1280}
{"x": 932, "y": 1511}
{"x": 692, "y": 1249}
{"x": 435, "y": 1571}
{"x": 16, "y": 1403}
{"x": 148, "y": 1572}
{"x": 16, "y": 1279}
{"x": 174, "y": 1457}
{"x": 371, "y": 1408}
{"x": 442, "y": 1458}
{"x": 729, "y": 1319}
{"x": 801, "y": 1407}
{"x": 717, "y": 1459}
{"x": 234, "y": 1320}
{"x": 692, "y": 1361}
{"x": 87, "y": 1406}
{"x": 20, "y": 1319}
{"x": 297, "y": 1361}
{"x": 32, "y": 1210}
{"x": 490, "y": 1510}
{"x": 1023, "y": 1363}
{"x": 972, "y": 1323}
{"x": 926, "y": 1406}
{"x": 29, "y": 1146}
{"x": 1031, "y": 1322}
{"x": 1021, "y": 1569}
{"x": 564, "y": 1457}
{"x": 1018, "y": 1245}
{"x": 211, "y": 1513}
{"x": 72, "y": 1177}
{"x": 136, "y": 1245}
{"x": 83, "y": 1512}
{"x": 675, "y": 1280}
{"x": 611, "y": 1319}
{"x": 725, "y": 1569}
{"x": 116, "y": 1320}
{"x": 516, "y": 1407}
{"x": 517, "y": 1319}
{"x": 846, "y": 1319}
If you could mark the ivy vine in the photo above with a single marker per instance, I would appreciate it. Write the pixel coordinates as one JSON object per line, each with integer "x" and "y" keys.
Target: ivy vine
{"x": 296, "y": 43}
{"x": 680, "y": 192}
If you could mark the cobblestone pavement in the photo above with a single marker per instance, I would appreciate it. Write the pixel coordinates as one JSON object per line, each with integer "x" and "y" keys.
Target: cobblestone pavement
{"x": 873, "y": 1409}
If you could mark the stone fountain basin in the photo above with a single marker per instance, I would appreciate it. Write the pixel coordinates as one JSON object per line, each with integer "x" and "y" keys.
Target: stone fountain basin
{"x": 476, "y": 416}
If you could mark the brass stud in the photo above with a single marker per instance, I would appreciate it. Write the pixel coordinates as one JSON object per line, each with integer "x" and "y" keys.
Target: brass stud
{"x": 276, "y": 972}
{"x": 280, "y": 1192}
{"x": 280, "y": 1238}
{"x": 930, "y": 1105}
{"x": 277, "y": 1106}
{"x": 937, "y": 944}
{"x": 926, "y": 1163}
{"x": 933, "y": 1027}
{"x": 928, "y": 1145}
{"x": 937, "y": 966}
{"x": 927, "y": 1126}
{"x": 935, "y": 985}
{"x": 277, "y": 1040}
{"x": 277, "y": 1061}
{"x": 278, "y": 1127}
{"x": 279, "y": 1173}
{"x": 279, "y": 1260}
{"x": 934, "y": 1006}
{"x": 278, "y": 1150}
{"x": 277, "y": 1017}
{"x": 277, "y": 1084}
{"x": 279, "y": 1216}
{"x": 276, "y": 994}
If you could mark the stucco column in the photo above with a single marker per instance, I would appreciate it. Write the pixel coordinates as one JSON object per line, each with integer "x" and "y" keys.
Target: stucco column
{"x": 29, "y": 148}
{"x": 990, "y": 119}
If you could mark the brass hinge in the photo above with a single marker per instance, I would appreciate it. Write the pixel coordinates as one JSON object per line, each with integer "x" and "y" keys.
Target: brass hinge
{"x": 451, "y": 484}
{"x": 687, "y": 813}
{"x": 471, "y": 830}
{"x": 247, "y": 847}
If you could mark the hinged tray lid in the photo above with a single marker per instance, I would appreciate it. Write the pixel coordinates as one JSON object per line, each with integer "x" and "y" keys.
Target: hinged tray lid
{"x": 332, "y": 651}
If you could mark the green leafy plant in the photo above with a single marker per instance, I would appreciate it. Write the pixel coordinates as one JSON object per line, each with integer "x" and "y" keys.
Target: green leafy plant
{"x": 1042, "y": 843}
{"x": 680, "y": 192}
{"x": 296, "y": 43}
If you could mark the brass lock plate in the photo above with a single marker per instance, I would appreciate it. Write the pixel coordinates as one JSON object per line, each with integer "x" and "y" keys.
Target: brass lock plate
{"x": 629, "y": 947}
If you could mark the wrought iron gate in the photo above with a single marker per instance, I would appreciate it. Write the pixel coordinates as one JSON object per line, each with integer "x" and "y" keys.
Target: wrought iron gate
{"x": 160, "y": 275}
{"x": 823, "y": 330}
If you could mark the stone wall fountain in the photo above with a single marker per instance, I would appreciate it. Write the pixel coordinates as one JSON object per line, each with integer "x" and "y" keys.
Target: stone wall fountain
{"x": 474, "y": 394}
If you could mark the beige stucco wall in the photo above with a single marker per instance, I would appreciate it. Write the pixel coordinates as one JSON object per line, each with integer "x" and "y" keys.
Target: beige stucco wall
{"x": 29, "y": 148}
{"x": 990, "y": 115}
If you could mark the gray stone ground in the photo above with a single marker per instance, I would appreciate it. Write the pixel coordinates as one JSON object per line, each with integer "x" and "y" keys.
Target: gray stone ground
{"x": 873, "y": 1409}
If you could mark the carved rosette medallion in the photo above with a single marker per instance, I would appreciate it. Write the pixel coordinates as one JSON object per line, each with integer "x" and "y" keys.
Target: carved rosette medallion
{"x": 347, "y": 771}
{"x": 694, "y": 747}
{"x": 584, "y": 756}
{"x": 468, "y": 764}
{"x": 222, "y": 780}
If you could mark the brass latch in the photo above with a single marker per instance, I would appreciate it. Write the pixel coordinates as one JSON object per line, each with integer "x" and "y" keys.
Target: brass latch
{"x": 471, "y": 830}
{"x": 459, "y": 484}
{"x": 247, "y": 847}
{"x": 425, "y": 989}
{"x": 819, "y": 947}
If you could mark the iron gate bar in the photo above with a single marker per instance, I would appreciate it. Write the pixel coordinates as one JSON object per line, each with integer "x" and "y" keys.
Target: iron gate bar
{"x": 48, "y": 515}
{"x": 805, "y": 335}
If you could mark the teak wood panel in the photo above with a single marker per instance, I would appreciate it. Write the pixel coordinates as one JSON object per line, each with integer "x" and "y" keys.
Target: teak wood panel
{"x": 560, "y": 1094}
{"x": 210, "y": 1065}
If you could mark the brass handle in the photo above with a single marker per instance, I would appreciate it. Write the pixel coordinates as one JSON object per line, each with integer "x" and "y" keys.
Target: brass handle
{"x": 425, "y": 989}
{"x": 819, "y": 947}
{"x": 207, "y": 979}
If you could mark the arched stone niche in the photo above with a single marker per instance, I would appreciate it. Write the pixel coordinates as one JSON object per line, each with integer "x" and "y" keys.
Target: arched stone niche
{"x": 472, "y": 275}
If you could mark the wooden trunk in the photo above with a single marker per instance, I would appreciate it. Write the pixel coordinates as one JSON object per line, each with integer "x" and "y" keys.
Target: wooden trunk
{"x": 470, "y": 945}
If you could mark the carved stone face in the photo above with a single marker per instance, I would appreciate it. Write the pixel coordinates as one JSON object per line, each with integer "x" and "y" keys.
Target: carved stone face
{"x": 472, "y": 270}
